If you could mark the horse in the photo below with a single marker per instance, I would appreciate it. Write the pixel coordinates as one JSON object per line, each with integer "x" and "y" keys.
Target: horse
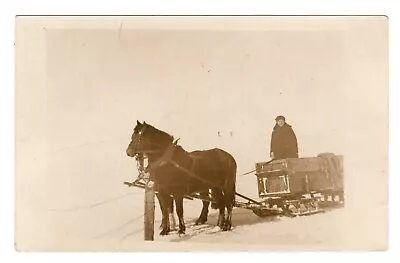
{"x": 176, "y": 172}
{"x": 167, "y": 203}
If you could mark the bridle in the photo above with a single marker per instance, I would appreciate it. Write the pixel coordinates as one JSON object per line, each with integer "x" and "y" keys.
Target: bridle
{"x": 140, "y": 138}
{"x": 165, "y": 158}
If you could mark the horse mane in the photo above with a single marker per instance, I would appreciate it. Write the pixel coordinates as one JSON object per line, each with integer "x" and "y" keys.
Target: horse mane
{"x": 165, "y": 135}
{"x": 180, "y": 148}
{"x": 171, "y": 140}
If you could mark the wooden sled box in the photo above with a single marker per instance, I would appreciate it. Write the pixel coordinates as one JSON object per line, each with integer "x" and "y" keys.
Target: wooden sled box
{"x": 299, "y": 176}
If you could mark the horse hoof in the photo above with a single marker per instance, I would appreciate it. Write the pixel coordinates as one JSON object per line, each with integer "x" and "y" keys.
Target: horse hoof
{"x": 200, "y": 221}
{"x": 181, "y": 232}
{"x": 227, "y": 227}
{"x": 221, "y": 224}
{"x": 164, "y": 232}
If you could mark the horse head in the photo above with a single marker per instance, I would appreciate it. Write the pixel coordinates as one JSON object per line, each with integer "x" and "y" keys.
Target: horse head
{"x": 146, "y": 139}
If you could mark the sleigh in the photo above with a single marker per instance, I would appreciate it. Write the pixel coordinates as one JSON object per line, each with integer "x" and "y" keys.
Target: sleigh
{"x": 302, "y": 184}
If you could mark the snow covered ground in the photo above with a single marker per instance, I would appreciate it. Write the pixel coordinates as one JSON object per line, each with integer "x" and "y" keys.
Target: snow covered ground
{"x": 76, "y": 217}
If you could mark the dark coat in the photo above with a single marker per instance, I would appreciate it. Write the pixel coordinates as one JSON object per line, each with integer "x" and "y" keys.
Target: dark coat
{"x": 284, "y": 142}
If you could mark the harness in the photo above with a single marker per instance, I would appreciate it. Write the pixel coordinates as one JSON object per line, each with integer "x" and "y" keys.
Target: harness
{"x": 167, "y": 158}
{"x": 164, "y": 159}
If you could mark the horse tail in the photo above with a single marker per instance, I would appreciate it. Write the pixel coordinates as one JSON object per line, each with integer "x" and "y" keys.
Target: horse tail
{"x": 229, "y": 169}
{"x": 232, "y": 176}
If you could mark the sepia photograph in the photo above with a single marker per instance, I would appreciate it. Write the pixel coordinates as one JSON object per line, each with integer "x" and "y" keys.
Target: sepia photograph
{"x": 201, "y": 133}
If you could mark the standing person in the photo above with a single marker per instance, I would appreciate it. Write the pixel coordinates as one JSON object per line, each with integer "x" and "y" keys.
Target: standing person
{"x": 283, "y": 140}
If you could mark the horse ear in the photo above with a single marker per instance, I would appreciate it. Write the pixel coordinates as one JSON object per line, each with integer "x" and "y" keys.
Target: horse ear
{"x": 138, "y": 123}
{"x": 144, "y": 122}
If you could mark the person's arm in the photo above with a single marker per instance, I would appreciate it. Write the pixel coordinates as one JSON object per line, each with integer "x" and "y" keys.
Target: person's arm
{"x": 272, "y": 146}
{"x": 294, "y": 142}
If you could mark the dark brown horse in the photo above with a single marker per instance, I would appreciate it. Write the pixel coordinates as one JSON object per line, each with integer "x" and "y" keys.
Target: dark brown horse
{"x": 167, "y": 203}
{"x": 177, "y": 172}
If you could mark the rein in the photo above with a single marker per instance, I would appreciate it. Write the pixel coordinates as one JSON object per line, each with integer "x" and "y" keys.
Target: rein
{"x": 167, "y": 158}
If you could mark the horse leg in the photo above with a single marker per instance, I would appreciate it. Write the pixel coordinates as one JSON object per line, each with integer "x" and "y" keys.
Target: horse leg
{"x": 170, "y": 207}
{"x": 219, "y": 199}
{"x": 163, "y": 198}
{"x": 179, "y": 211}
{"x": 229, "y": 197}
{"x": 204, "y": 212}
{"x": 213, "y": 204}
{"x": 161, "y": 207}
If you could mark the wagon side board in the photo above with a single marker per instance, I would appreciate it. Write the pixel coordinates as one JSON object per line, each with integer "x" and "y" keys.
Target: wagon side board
{"x": 298, "y": 176}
